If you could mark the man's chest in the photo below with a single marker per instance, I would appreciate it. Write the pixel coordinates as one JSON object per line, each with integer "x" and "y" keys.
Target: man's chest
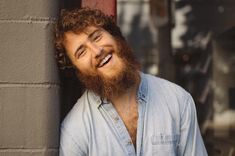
{"x": 131, "y": 125}
{"x": 149, "y": 130}
{"x": 129, "y": 116}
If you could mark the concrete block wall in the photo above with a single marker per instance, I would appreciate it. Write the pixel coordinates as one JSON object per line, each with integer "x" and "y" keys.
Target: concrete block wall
{"x": 29, "y": 83}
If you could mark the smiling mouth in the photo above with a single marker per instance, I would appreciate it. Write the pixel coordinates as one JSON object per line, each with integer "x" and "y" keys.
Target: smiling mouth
{"x": 105, "y": 60}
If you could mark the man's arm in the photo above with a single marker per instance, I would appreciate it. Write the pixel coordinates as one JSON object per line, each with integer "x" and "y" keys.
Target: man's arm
{"x": 191, "y": 143}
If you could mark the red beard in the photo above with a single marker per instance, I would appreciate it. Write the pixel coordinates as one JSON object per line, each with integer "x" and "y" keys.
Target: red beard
{"x": 117, "y": 85}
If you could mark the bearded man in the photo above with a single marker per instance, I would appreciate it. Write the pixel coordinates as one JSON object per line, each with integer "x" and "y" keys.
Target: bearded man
{"x": 123, "y": 112}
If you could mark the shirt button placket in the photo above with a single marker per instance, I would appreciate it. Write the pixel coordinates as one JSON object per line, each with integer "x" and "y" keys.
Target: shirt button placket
{"x": 128, "y": 142}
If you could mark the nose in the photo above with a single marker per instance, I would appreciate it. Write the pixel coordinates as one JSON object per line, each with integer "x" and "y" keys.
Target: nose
{"x": 95, "y": 49}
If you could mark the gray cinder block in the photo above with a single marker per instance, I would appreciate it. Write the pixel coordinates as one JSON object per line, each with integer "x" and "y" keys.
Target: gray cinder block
{"x": 29, "y": 116}
{"x": 29, "y": 152}
{"x": 28, "y": 9}
{"x": 27, "y": 52}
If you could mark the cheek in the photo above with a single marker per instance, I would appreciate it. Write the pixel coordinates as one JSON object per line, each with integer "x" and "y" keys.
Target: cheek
{"x": 82, "y": 67}
{"x": 85, "y": 67}
{"x": 121, "y": 61}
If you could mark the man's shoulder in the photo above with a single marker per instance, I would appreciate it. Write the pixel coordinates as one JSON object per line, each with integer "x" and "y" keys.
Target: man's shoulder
{"x": 80, "y": 110}
{"x": 163, "y": 84}
{"x": 167, "y": 91}
{"x": 75, "y": 127}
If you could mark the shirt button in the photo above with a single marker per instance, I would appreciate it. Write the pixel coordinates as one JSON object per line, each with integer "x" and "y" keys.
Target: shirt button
{"x": 129, "y": 142}
{"x": 116, "y": 118}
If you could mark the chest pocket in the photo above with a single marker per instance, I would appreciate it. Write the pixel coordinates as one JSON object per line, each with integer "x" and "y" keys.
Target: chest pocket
{"x": 164, "y": 145}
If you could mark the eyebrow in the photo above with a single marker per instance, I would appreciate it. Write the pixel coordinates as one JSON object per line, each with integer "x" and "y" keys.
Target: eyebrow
{"x": 89, "y": 36}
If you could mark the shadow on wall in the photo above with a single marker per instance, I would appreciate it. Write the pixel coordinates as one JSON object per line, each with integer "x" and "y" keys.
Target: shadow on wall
{"x": 71, "y": 87}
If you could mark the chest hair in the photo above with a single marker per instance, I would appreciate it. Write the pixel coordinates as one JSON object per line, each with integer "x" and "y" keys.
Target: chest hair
{"x": 130, "y": 119}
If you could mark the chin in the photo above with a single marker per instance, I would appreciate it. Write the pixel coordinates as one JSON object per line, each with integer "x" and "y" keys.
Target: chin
{"x": 112, "y": 73}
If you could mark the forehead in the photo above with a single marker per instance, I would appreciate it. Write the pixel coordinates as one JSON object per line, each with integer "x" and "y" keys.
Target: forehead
{"x": 88, "y": 30}
{"x": 85, "y": 32}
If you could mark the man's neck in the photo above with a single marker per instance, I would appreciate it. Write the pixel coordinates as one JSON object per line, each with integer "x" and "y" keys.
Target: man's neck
{"x": 127, "y": 98}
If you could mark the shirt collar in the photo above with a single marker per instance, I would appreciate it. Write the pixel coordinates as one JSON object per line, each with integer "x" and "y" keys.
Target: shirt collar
{"x": 143, "y": 88}
{"x": 96, "y": 98}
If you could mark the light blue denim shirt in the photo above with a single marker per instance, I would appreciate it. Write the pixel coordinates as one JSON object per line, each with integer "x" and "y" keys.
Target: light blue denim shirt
{"x": 167, "y": 125}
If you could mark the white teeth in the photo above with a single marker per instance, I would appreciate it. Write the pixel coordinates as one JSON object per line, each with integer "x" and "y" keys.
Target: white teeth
{"x": 105, "y": 60}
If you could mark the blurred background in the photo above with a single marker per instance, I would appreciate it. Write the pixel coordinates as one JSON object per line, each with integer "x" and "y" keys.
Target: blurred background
{"x": 191, "y": 43}
{"x": 188, "y": 42}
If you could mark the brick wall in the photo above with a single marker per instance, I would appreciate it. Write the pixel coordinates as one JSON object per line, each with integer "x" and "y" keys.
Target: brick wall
{"x": 29, "y": 84}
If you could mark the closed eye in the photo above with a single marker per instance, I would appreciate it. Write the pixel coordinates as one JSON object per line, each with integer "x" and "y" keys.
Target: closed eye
{"x": 80, "y": 52}
{"x": 95, "y": 36}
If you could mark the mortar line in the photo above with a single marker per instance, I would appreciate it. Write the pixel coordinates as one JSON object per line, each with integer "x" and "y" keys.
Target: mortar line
{"x": 41, "y": 21}
{"x": 27, "y": 149}
{"x": 15, "y": 84}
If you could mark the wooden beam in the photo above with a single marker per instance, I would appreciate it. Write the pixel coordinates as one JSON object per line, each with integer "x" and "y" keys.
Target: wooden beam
{"x": 107, "y": 6}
